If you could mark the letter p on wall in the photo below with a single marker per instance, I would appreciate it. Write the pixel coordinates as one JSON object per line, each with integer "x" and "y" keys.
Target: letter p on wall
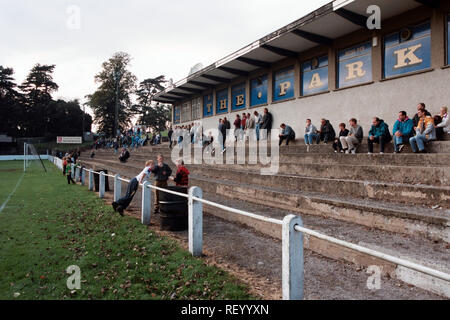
{"x": 284, "y": 86}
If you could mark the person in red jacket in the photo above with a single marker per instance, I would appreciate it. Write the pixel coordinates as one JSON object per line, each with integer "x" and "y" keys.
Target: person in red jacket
{"x": 182, "y": 176}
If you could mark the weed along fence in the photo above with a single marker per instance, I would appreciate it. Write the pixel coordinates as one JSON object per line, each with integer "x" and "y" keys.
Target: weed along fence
{"x": 292, "y": 230}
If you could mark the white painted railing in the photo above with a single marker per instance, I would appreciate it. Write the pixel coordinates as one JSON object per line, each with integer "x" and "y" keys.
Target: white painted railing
{"x": 292, "y": 234}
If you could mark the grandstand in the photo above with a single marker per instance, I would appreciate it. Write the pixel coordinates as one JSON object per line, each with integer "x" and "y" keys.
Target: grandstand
{"x": 395, "y": 203}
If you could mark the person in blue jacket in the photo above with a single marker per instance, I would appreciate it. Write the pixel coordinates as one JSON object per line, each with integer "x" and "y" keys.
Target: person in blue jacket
{"x": 403, "y": 130}
{"x": 379, "y": 133}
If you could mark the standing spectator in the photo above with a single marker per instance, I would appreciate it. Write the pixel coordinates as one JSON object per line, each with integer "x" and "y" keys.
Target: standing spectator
{"x": 243, "y": 125}
{"x": 310, "y": 134}
{"x": 182, "y": 176}
{"x": 286, "y": 133}
{"x": 237, "y": 127}
{"x": 125, "y": 201}
{"x": 258, "y": 123}
{"x": 69, "y": 172}
{"x": 65, "y": 164}
{"x": 267, "y": 123}
{"x": 170, "y": 133}
{"x": 337, "y": 146}
{"x": 354, "y": 137}
{"x": 222, "y": 134}
{"x": 250, "y": 126}
{"x": 162, "y": 173}
{"x": 379, "y": 133}
{"x": 402, "y": 131}
{"x": 420, "y": 107}
{"x": 443, "y": 126}
{"x": 326, "y": 132}
{"x": 425, "y": 132}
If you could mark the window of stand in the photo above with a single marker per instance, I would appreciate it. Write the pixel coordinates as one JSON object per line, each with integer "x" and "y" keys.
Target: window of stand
{"x": 407, "y": 50}
{"x": 196, "y": 108}
{"x": 314, "y": 76}
{"x": 355, "y": 65}
{"x": 186, "y": 111}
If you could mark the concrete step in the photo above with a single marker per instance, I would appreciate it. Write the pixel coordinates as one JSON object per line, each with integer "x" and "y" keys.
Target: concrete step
{"x": 428, "y": 175}
{"x": 419, "y": 194}
{"x": 406, "y": 219}
{"x": 414, "y": 247}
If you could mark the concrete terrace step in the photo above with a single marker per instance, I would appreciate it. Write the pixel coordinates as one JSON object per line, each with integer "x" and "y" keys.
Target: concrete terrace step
{"x": 411, "y": 220}
{"x": 300, "y": 147}
{"x": 414, "y": 248}
{"x": 384, "y": 191}
{"x": 429, "y": 175}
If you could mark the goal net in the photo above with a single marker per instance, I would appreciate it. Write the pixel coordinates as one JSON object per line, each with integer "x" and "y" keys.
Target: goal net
{"x": 31, "y": 158}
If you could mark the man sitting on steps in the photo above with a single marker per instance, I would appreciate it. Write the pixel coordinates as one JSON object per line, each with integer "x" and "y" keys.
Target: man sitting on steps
{"x": 425, "y": 132}
{"x": 124, "y": 155}
{"x": 354, "y": 137}
{"x": 379, "y": 133}
{"x": 286, "y": 133}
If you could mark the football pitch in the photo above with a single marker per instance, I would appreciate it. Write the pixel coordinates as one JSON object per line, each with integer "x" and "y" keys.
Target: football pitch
{"x": 47, "y": 226}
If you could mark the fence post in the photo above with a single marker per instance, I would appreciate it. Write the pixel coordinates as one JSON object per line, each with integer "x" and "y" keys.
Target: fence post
{"x": 292, "y": 258}
{"x": 91, "y": 180}
{"x": 101, "y": 185}
{"x": 83, "y": 176}
{"x": 146, "y": 208}
{"x": 77, "y": 174}
{"x": 195, "y": 222}
{"x": 117, "y": 187}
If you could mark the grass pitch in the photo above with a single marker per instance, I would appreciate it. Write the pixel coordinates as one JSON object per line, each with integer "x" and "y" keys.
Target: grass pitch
{"x": 48, "y": 225}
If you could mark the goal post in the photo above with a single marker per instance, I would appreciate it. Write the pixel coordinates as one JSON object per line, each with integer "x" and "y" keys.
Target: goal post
{"x": 31, "y": 157}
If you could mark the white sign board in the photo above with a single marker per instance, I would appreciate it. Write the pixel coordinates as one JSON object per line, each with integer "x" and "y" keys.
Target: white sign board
{"x": 69, "y": 140}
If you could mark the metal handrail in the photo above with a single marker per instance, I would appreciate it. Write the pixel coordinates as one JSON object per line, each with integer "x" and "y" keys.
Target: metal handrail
{"x": 381, "y": 255}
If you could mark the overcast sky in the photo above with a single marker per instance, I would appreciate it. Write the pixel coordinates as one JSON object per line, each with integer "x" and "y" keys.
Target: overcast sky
{"x": 163, "y": 37}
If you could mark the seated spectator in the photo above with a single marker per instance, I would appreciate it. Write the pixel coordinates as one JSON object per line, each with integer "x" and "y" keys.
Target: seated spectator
{"x": 310, "y": 133}
{"x": 416, "y": 118}
{"x": 425, "y": 132}
{"x": 181, "y": 178}
{"x": 337, "y": 146}
{"x": 326, "y": 132}
{"x": 286, "y": 134}
{"x": 208, "y": 143}
{"x": 379, "y": 133}
{"x": 92, "y": 154}
{"x": 354, "y": 137}
{"x": 124, "y": 155}
{"x": 443, "y": 126}
{"x": 402, "y": 131}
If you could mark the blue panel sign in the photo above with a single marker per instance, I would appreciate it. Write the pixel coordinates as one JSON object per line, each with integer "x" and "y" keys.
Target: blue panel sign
{"x": 222, "y": 101}
{"x": 238, "y": 97}
{"x": 315, "y": 76}
{"x": 448, "y": 39}
{"x": 407, "y": 51}
{"x": 283, "y": 84}
{"x": 177, "y": 114}
{"x": 258, "y": 91}
{"x": 355, "y": 65}
{"x": 208, "y": 105}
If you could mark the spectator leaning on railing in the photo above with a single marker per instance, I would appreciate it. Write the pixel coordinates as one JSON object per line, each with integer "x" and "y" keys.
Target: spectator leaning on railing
{"x": 403, "y": 130}
{"x": 125, "y": 201}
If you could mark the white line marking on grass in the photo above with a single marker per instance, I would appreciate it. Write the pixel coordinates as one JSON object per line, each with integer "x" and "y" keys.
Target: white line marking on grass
{"x": 10, "y": 195}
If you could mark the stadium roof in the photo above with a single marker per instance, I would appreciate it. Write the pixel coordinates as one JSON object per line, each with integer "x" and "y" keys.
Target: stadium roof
{"x": 320, "y": 27}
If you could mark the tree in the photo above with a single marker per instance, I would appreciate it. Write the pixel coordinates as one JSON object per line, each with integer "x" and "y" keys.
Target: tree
{"x": 11, "y": 110}
{"x": 154, "y": 115}
{"x": 37, "y": 89}
{"x": 103, "y": 100}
